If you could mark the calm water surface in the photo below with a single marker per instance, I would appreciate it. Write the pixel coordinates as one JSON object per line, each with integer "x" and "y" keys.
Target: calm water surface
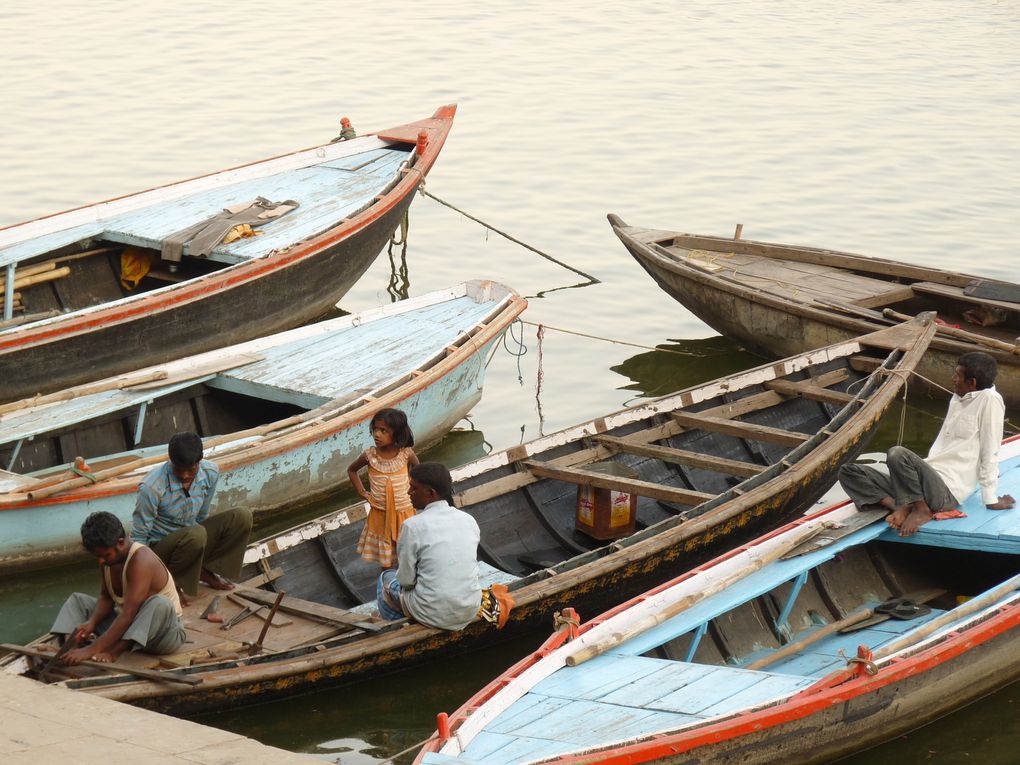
{"x": 884, "y": 128}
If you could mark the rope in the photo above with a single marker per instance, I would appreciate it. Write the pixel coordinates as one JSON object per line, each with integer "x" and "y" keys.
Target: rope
{"x": 522, "y": 349}
{"x": 411, "y": 748}
{"x": 540, "y": 334}
{"x": 430, "y": 195}
{"x": 611, "y": 340}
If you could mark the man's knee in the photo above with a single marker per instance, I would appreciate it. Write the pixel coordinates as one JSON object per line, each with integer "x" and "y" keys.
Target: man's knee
{"x": 898, "y": 455}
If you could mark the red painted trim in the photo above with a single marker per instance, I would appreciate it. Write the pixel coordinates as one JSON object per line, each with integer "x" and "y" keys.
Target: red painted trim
{"x": 241, "y": 273}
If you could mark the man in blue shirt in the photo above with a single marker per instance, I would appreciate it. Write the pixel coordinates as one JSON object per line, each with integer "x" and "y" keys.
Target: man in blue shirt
{"x": 172, "y": 517}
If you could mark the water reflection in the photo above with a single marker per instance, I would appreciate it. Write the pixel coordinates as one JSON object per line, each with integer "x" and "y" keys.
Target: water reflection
{"x": 681, "y": 364}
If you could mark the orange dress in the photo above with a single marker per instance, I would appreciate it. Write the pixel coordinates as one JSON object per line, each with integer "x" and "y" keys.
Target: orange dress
{"x": 391, "y": 506}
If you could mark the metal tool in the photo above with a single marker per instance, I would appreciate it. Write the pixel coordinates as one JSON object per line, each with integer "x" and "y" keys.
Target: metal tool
{"x": 240, "y": 617}
{"x": 257, "y": 648}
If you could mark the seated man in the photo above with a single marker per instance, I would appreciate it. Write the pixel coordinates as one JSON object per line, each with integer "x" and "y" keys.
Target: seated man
{"x": 172, "y": 517}
{"x": 436, "y": 581}
{"x": 137, "y": 605}
{"x": 965, "y": 454}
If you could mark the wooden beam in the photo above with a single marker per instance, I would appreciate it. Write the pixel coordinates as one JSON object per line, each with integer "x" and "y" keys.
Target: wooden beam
{"x": 739, "y": 429}
{"x": 629, "y": 485}
{"x": 865, "y": 364}
{"x": 682, "y": 457}
{"x": 312, "y": 610}
{"x": 806, "y": 389}
{"x": 895, "y": 295}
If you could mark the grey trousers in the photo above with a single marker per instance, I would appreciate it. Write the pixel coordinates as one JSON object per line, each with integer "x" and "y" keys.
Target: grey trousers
{"x": 156, "y": 628}
{"x": 910, "y": 479}
{"x": 216, "y": 544}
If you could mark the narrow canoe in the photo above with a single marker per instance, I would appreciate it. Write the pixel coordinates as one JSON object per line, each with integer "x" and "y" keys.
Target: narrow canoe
{"x": 713, "y": 463}
{"x": 778, "y": 299}
{"x": 65, "y": 270}
{"x": 282, "y": 416}
{"x": 826, "y": 637}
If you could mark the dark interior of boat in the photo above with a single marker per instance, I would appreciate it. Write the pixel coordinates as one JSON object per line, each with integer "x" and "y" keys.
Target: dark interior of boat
{"x": 528, "y": 523}
{"x": 934, "y": 579}
{"x": 201, "y": 408}
{"x": 91, "y": 273}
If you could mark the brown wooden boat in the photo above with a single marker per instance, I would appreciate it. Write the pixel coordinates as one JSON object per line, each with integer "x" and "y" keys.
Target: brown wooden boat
{"x": 779, "y": 299}
{"x": 709, "y": 466}
{"x": 123, "y": 284}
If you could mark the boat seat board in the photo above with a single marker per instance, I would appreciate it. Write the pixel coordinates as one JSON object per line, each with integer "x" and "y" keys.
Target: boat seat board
{"x": 306, "y": 373}
{"x": 619, "y": 696}
{"x": 326, "y": 193}
{"x": 958, "y": 293}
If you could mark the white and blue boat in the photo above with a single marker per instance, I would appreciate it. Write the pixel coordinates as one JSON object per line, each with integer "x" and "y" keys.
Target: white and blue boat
{"x": 282, "y": 416}
{"x": 825, "y": 637}
{"x": 211, "y": 261}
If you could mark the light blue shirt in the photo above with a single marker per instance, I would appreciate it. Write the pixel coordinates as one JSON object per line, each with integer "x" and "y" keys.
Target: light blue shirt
{"x": 163, "y": 505}
{"x": 437, "y": 553}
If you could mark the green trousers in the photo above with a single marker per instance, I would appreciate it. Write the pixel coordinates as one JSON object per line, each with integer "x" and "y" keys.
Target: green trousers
{"x": 216, "y": 544}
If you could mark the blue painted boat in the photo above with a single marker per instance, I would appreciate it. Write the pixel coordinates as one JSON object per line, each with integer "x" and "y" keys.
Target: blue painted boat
{"x": 155, "y": 276}
{"x": 828, "y": 636}
{"x": 282, "y": 416}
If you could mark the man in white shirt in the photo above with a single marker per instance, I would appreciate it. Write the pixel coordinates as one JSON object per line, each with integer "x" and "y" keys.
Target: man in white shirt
{"x": 436, "y": 582}
{"x": 964, "y": 455}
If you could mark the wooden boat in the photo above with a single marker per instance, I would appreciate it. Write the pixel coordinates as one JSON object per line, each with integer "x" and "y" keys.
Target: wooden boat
{"x": 782, "y": 651}
{"x": 779, "y": 299}
{"x": 282, "y": 416}
{"x": 713, "y": 463}
{"x": 65, "y": 271}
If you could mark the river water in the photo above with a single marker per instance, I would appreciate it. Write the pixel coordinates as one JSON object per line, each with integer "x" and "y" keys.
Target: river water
{"x": 889, "y": 129}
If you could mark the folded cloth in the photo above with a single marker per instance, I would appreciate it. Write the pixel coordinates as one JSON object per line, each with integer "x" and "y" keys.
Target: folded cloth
{"x": 497, "y": 603}
{"x": 205, "y": 235}
{"x": 945, "y": 515}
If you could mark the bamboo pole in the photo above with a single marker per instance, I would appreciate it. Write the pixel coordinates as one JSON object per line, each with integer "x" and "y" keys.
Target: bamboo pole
{"x": 84, "y": 390}
{"x": 39, "y": 278}
{"x": 814, "y": 637}
{"x": 102, "y": 475}
{"x": 797, "y": 537}
{"x": 968, "y": 608}
{"x": 38, "y": 268}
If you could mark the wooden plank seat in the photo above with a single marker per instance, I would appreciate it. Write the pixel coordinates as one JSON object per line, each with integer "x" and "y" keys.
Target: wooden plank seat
{"x": 631, "y": 486}
{"x": 747, "y": 430}
{"x": 805, "y": 389}
{"x": 307, "y": 608}
{"x": 327, "y": 193}
{"x": 681, "y": 457}
{"x": 957, "y": 293}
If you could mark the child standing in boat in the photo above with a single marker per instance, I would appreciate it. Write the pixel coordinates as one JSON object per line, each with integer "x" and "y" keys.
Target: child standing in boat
{"x": 388, "y": 462}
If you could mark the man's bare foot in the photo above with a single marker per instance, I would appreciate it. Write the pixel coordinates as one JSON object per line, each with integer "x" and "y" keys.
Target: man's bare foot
{"x": 183, "y": 596}
{"x": 897, "y": 517}
{"x": 215, "y": 581}
{"x": 919, "y": 515}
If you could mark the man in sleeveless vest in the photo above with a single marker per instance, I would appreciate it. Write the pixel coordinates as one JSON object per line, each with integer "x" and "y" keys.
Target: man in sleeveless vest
{"x": 172, "y": 517}
{"x": 137, "y": 606}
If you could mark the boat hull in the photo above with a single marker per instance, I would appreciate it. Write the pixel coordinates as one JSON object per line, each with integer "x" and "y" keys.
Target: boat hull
{"x": 774, "y": 327}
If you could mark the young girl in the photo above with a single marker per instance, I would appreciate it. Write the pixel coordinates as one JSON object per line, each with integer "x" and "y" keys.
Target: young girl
{"x": 387, "y": 462}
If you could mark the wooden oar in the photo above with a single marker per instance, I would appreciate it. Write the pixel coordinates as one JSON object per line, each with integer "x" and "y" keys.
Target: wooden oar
{"x": 111, "y": 666}
{"x": 598, "y": 648}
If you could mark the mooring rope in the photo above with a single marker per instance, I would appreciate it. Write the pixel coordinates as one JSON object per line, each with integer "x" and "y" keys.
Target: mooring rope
{"x": 616, "y": 342}
{"x": 430, "y": 195}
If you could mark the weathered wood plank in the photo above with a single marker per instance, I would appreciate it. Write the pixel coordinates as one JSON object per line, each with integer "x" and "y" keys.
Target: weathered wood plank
{"x": 631, "y": 486}
{"x": 740, "y": 429}
{"x": 313, "y": 610}
{"x": 805, "y": 389}
{"x": 682, "y": 457}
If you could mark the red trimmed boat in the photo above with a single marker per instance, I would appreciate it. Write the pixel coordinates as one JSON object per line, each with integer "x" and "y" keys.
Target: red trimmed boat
{"x": 825, "y": 637}
{"x": 196, "y": 265}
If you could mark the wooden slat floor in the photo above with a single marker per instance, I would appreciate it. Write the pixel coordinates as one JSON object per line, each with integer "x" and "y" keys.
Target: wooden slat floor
{"x": 326, "y": 193}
